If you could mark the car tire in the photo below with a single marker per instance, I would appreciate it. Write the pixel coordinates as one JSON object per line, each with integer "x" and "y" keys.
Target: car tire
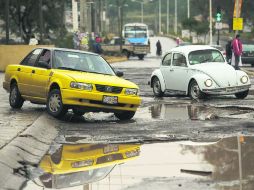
{"x": 141, "y": 57}
{"x": 126, "y": 53}
{"x": 194, "y": 91}
{"x": 242, "y": 95}
{"x": 57, "y": 155}
{"x": 125, "y": 115}
{"x": 156, "y": 85}
{"x": 55, "y": 105}
{"x": 15, "y": 99}
{"x": 78, "y": 112}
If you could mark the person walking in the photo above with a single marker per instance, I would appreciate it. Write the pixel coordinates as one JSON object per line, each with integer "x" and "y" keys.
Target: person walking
{"x": 158, "y": 48}
{"x": 237, "y": 52}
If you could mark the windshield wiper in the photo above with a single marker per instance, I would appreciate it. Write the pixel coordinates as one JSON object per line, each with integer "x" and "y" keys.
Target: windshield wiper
{"x": 99, "y": 73}
{"x": 68, "y": 68}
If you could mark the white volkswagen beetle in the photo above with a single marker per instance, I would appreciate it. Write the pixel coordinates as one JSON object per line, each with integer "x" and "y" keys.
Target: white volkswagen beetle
{"x": 198, "y": 70}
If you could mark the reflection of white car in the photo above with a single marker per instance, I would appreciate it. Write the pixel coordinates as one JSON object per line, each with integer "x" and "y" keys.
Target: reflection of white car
{"x": 196, "y": 71}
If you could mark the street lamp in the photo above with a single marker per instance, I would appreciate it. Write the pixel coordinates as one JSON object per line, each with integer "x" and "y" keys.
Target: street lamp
{"x": 142, "y": 9}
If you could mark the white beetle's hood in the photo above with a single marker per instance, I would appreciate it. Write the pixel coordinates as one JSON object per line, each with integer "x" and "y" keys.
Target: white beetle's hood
{"x": 223, "y": 74}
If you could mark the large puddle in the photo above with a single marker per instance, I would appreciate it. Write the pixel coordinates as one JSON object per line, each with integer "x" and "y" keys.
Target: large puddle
{"x": 223, "y": 165}
{"x": 184, "y": 112}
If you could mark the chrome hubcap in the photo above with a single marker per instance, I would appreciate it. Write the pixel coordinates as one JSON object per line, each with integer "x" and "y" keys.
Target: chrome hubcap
{"x": 195, "y": 91}
{"x": 14, "y": 94}
{"x": 55, "y": 103}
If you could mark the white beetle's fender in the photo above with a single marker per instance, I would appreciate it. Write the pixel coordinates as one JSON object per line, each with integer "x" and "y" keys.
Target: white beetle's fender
{"x": 200, "y": 78}
{"x": 240, "y": 74}
{"x": 157, "y": 73}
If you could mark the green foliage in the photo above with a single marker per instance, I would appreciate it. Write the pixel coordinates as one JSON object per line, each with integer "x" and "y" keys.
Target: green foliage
{"x": 65, "y": 41}
{"x": 24, "y": 18}
{"x": 190, "y": 23}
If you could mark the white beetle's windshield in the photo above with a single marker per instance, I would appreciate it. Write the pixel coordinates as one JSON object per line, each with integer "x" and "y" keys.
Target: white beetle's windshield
{"x": 81, "y": 62}
{"x": 204, "y": 56}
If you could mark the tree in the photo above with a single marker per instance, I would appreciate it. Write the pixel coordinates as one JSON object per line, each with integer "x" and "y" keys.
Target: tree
{"x": 24, "y": 18}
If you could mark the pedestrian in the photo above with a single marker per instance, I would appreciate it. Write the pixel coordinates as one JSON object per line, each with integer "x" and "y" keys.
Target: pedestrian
{"x": 33, "y": 40}
{"x": 229, "y": 51}
{"x": 237, "y": 52}
{"x": 158, "y": 48}
{"x": 76, "y": 40}
{"x": 177, "y": 41}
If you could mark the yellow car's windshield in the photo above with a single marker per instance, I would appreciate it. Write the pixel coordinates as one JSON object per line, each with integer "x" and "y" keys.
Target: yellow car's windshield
{"x": 77, "y": 61}
{"x": 205, "y": 56}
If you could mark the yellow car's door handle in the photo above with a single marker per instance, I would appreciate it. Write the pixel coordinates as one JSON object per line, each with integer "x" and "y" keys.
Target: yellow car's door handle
{"x": 18, "y": 69}
{"x": 33, "y": 71}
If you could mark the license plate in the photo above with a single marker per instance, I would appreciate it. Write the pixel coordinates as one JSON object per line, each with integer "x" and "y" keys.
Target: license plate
{"x": 110, "y": 99}
{"x": 110, "y": 148}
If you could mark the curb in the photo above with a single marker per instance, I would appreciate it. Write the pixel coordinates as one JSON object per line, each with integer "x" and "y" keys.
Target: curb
{"x": 112, "y": 59}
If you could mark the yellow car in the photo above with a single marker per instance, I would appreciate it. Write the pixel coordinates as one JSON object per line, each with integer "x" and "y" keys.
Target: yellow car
{"x": 80, "y": 164}
{"x": 69, "y": 79}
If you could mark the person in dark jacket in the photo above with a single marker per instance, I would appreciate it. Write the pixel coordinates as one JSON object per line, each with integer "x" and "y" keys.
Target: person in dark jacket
{"x": 229, "y": 51}
{"x": 158, "y": 48}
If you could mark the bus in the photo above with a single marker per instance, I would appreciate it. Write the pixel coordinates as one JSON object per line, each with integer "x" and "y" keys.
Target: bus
{"x": 136, "y": 33}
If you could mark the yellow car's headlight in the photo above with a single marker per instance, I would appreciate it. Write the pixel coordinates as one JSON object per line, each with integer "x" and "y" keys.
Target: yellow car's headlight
{"x": 244, "y": 79}
{"x": 208, "y": 82}
{"x": 131, "y": 91}
{"x": 81, "y": 86}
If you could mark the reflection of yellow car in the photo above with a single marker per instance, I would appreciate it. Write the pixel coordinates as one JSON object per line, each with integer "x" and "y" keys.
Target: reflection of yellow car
{"x": 67, "y": 79}
{"x": 73, "y": 165}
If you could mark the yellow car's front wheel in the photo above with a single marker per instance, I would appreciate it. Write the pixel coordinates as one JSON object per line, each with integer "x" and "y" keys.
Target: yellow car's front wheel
{"x": 125, "y": 115}
{"x": 55, "y": 105}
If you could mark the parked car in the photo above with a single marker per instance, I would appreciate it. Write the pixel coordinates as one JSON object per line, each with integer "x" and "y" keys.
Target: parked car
{"x": 68, "y": 79}
{"x": 198, "y": 70}
{"x": 221, "y": 49}
{"x": 248, "y": 54}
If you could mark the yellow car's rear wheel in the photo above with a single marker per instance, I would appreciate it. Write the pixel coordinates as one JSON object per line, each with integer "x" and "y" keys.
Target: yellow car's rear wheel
{"x": 55, "y": 105}
{"x": 15, "y": 99}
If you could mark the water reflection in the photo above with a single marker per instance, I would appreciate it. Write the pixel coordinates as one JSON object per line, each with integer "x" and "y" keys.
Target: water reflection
{"x": 223, "y": 165}
{"x": 184, "y": 112}
{"x": 75, "y": 165}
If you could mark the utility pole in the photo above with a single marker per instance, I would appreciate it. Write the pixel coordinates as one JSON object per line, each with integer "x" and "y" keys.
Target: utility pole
{"x": 175, "y": 29}
{"x": 74, "y": 15}
{"x": 7, "y": 20}
{"x": 188, "y": 9}
{"x": 210, "y": 19}
{"x": 41, "y": 21}
{"x": 160, "y": 17}
{"x": 142, "y": 12}
{"x": 237, "y": 13}
{"x": 167, "y": 16}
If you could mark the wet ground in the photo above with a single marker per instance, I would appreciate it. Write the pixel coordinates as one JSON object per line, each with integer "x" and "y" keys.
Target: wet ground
{"x": 223, "y": 164}
{"x": 158, "y": 142}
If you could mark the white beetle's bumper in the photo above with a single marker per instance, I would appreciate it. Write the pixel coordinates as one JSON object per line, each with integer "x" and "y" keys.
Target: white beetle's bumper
{"x": 227, "y": 90}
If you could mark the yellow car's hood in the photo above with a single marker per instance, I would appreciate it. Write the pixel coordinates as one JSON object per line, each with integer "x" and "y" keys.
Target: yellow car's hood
{"x": 95, "y": 78}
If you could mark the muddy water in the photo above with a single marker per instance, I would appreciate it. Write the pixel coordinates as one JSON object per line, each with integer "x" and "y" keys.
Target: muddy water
{"x": 226, "y": 164}
{"x": 185, "y": 112}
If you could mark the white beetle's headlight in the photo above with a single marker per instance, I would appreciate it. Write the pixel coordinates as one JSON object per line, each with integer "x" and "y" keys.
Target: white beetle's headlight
{"x": 244, "y": 79}
{"x": 208, "y": 82}
{"x": 131, "y": 91}
{"x": 81, "y": 86}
